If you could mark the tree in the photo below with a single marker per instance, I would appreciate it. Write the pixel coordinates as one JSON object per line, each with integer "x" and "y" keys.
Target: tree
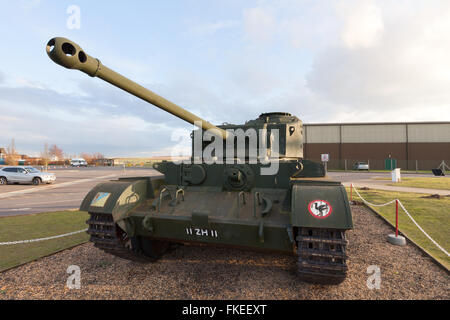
{"x": 91, "y": 158}
{"x": 45, "y": 155}
{"x": 97, "y": 156}
{"x": 56, "y": 153}
{"x": 11, "y": 154}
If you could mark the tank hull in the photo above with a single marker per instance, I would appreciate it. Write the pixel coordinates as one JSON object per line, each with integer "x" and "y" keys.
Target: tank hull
{"x": 236, "y": 233}
{"x": 147, "y": 210}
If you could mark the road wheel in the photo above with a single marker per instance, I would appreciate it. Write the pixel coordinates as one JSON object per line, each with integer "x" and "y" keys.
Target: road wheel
{"x": 37, "y": 181}
{"x": 107, "y": 236}
{"x": 152, "y": 249}
{"x": 3, "y": 180}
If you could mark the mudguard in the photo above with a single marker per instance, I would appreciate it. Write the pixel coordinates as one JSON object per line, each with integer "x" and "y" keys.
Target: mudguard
{"x": 120, "y": 197}
{"x": 321, "y": 204}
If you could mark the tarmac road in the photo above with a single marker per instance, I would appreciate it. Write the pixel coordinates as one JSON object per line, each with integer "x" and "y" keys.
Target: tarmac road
{"x": 368, "y": 179}
{"x": 358, "y": 176}
{"x": 71, "y": 185}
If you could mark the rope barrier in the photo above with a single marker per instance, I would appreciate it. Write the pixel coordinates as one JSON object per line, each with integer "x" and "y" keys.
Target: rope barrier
{"x": 407, "y": 213}
{"x": 372, "y": 204}
{"x": 423, "y": 231}
{"x": 41, "y": 239}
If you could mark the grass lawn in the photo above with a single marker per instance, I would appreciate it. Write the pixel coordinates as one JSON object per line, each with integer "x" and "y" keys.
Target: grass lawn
{"x": 433, "y": 215}
{"x": 441, "y": 183}
{"x": 36, "y": 226}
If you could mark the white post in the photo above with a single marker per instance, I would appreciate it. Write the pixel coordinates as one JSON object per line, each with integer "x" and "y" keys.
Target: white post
{"x": 442, "y": 166}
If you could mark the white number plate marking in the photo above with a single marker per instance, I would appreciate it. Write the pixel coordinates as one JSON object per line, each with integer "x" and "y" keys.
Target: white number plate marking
{"x": 202, "y": 232}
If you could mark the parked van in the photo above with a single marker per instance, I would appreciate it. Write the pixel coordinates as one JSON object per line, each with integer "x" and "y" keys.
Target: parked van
{"x": 78, "y": 163}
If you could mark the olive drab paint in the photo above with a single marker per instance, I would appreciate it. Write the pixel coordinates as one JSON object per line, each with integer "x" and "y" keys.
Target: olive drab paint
{"x": 229, "y": 201}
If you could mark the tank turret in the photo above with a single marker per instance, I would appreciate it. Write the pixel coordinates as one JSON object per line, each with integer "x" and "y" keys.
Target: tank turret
{"x": 289, "y": 131}
{"x": 289, "y": 128}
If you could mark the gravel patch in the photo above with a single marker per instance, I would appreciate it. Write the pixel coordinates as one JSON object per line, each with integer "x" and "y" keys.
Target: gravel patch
{"x": 202, "y": 272}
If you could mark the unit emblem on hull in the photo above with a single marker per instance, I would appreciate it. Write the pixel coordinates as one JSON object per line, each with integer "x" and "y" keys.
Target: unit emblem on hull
{"x": 320, "y": 209}
{"x": 100, "y": 199}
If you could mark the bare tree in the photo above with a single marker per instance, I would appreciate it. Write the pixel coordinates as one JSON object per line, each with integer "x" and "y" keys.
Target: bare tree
{"x": 11, "y": 154}
{"x": 45, "y": 155}
{"x": 97, "y": 156}
{"x": 87, "y": 157}
{"x": 56, "y": 153}
{"x": 91, "y": 158}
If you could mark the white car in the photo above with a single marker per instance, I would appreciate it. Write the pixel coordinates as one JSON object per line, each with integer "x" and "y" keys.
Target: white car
{"x": 361, "y": 166}
{"x": 78, "y": 163}
{"x": 23, "y": 174}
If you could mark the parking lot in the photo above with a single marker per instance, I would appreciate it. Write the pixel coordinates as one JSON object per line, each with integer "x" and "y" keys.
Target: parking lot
{"x": 381, "y": 180}
{"x": 361, "y": 176}
{"x": 71, "y": 185}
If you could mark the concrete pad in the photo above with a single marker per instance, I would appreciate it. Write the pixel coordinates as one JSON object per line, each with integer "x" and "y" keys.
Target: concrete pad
{"x": 398, "y": 241}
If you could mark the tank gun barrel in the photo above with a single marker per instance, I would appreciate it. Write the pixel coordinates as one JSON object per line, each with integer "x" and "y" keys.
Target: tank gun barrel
{"x": 70, "y": 55}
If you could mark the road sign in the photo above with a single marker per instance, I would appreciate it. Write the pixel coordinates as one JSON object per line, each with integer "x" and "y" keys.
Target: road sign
{"x": 325, "y": 157}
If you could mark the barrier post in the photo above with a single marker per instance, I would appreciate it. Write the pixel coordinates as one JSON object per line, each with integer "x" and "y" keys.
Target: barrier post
{"x": 395, "y": 238}
{"x": 351, "y": 192}
{"x": 396, "y": 217}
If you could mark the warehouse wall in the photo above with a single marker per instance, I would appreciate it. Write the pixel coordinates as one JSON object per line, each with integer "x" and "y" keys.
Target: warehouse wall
{"x": 428, "y": 143}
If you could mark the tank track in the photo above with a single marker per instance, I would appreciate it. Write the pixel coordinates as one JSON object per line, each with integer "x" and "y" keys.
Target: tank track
{"x": 107, "y": 236}
{"x": 322, "y": 255}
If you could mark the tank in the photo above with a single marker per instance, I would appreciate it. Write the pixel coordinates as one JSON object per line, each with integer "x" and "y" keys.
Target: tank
{"x": 245, "y": 186}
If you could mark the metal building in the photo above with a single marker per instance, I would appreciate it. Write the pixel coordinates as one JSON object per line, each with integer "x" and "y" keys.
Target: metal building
{"x": 413, "y": 145}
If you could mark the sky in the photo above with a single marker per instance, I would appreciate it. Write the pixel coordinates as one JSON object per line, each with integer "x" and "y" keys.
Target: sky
{"x": 225, "y": 60}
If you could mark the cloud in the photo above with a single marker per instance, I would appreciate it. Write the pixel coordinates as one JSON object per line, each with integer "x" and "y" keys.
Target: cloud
{"x": 210, "y": 28}
{"x": 402, "y": 74}
{"x": 351, "y": 61}
{"x": 29, "y": 4}
{"x": 363, "y": 23}
{"x": 259, "y": 24}
{"x": 368, "y": 61}
{"x": 79, "y": 123}
{"x": 291, "y": 24}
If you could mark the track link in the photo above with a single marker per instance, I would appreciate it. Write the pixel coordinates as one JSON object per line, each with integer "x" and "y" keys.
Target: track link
{"x": 107, "y": 236}
{"x": 322, "y": 255}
